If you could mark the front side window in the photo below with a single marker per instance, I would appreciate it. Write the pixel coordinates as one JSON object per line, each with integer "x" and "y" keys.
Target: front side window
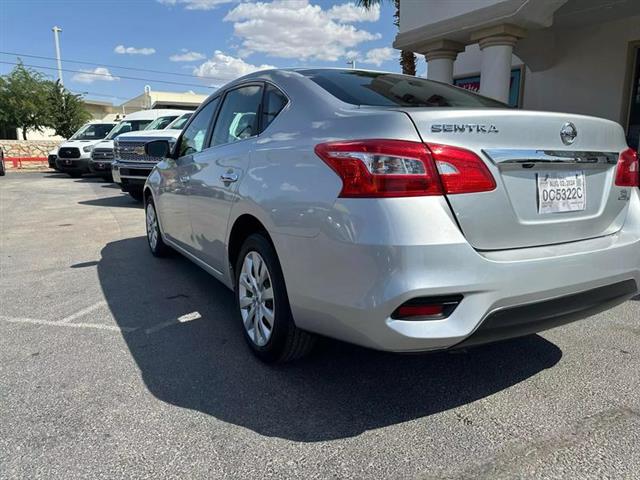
{"x": 274, "y": 102}
{"x": 238, "y": 118}
{"x": 380, "y": 89}
{"x": 194, "y": 136}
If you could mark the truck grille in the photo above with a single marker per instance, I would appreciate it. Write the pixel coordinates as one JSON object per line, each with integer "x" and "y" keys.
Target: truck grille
{"x": 102, "y": 154}
{"x": 69, "y": 152}
{"x": 133, "y": 152}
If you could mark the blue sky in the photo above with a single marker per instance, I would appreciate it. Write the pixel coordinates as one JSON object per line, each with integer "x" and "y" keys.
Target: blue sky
{"x": 208, "y": 41}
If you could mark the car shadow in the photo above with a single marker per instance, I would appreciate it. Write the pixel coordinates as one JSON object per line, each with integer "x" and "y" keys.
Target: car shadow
{"x": 179, "y": 325}
{"x": 124, "y": 201}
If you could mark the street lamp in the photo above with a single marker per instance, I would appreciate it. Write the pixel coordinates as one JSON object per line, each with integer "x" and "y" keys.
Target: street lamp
{"x": 56, "y": 31}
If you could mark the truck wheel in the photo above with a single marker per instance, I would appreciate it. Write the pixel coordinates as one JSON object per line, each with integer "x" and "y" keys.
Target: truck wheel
{"x": 263, "y": 305}
{"x": 154, "y": 237}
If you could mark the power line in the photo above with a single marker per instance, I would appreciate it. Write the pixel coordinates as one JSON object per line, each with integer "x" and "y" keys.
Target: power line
{"x": 40, "y": 57}
{"x": 108, "y": 75}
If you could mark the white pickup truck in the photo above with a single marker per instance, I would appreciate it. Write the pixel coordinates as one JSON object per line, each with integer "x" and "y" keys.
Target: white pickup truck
{"x": 131, "y": 165}
{"x": 102, "y": 154}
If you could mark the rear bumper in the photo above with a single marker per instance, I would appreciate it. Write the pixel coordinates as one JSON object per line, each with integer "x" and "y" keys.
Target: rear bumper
{"x": 342, "y": 287}
{"x": 538, "y": 316}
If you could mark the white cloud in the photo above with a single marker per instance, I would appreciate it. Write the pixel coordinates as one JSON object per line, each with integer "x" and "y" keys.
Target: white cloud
{"x": 297, "y": 29}
{"x": 97, "y": 74}
{"x": 349, "y": 13}
{"x": 221, "y": 68}
{"x": 122, "y": 50}
{"x": 377, "y": 56}
{"x": 196, "y": 4}
{"x": 187, "y": 56}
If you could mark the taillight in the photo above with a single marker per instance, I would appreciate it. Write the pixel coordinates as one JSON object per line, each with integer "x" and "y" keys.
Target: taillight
{"x": 382, "y": 168}
{"x": 461, "y": 171}
{"x": 627, "y": 171}
{"x": 399, "y": 168}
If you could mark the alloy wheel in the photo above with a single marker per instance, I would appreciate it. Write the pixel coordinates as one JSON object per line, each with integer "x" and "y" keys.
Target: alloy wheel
{"x": 255, "y": 295}
{"x": 152, "y": 226}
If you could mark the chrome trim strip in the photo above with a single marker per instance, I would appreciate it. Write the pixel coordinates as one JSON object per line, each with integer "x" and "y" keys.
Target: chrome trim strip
{"x": 531, "y": 157}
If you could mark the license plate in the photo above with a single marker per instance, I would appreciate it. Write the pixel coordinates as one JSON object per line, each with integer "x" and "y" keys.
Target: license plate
{"x": 561, "y": 192}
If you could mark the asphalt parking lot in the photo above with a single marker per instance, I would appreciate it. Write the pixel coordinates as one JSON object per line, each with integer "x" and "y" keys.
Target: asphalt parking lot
{"x": 116, "y": 364}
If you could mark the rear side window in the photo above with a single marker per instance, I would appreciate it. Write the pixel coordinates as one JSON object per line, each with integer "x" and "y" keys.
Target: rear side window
{"x": 194, "y": 136}
{"x": 394, "y": 90}
{"x": 274, "y": 102}
{"x": 238, "y": 117}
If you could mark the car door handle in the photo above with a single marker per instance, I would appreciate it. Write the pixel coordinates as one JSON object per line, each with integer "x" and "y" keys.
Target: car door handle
{"x": 229, "y": 177}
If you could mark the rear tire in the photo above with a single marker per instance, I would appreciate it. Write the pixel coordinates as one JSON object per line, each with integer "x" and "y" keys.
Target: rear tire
{"x": 154, "y": 237}
{"x": 263, "y": 305}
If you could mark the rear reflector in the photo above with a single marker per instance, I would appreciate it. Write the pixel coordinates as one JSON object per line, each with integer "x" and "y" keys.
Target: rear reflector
{"x": 428, "y": 308}
{"x": 419, "y": 310}
{"x": 628, "y": 170}
{"x": 399, "y": 168}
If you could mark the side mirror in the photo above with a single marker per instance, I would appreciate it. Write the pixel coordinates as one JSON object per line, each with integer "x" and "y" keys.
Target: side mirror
{"x": 157, "y": 148}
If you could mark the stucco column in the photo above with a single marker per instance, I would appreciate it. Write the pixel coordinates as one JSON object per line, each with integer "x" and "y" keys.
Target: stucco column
{"x": 440, "y": 57}
{"x": 497, "y": 49}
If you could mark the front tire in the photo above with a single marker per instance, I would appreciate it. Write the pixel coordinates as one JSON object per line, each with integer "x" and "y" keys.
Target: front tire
{"x": 263, "y": 305}
{"x": 154, "y": 237}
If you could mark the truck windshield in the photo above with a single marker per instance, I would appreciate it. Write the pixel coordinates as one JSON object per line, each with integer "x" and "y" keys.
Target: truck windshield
{"x": 93, "y": 131}
{"x": 161, "y": 123}
{"x": 381, "y": 89}
{"x": 179, "y": 122}
{"x": 128, "y": 126}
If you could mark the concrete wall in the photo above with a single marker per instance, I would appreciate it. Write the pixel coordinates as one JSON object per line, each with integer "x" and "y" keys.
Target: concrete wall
{"x": 416, "y": 13}
{"x": 589, "y": 72}
{"x": 584, "y": 69}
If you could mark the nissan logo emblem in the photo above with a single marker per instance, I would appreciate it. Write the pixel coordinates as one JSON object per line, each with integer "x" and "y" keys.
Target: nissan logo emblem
{"x": 568, "y": 133}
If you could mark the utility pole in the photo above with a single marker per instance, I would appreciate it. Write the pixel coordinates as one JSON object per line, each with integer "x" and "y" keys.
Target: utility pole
{"x": 56, "y": 30}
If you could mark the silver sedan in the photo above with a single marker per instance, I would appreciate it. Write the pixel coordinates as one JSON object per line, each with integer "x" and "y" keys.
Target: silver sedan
{"x": 394, "y": 212}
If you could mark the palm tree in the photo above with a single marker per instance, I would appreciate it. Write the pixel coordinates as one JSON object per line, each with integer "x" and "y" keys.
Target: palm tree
{"x": 407, "y": 58}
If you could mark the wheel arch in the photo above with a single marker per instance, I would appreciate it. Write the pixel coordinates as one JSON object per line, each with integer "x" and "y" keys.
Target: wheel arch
{"x": 243, "y": 226}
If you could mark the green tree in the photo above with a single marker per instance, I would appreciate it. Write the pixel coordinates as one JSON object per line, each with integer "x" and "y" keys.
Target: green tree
{"x": 23, "y": 94}
{"x": 65, "y": 111}
{"x": 407, "y": 58}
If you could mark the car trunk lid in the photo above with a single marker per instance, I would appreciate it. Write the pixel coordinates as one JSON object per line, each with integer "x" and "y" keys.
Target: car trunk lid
{"x": 532, "y": 166}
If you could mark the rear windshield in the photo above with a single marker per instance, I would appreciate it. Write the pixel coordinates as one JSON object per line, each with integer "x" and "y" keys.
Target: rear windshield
{"x": 381, "y": 89}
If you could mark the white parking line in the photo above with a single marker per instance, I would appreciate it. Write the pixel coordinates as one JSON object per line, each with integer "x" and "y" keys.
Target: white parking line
{"x": 82, "y": 312}
{"x": 182, "y": 319}
{"x": 97, "y": 326}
